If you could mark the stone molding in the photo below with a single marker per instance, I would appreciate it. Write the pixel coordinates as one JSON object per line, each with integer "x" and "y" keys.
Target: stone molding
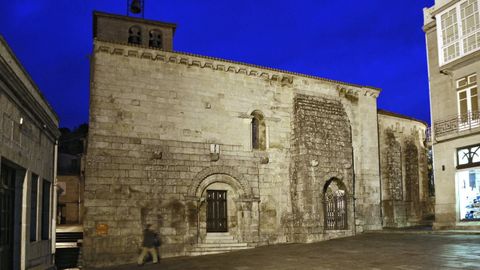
{"x": 237, "y": 182}
{"x": 282, "y": 77}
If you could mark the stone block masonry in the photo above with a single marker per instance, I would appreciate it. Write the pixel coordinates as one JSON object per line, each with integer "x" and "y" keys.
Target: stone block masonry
{"x": 166, "y": 127}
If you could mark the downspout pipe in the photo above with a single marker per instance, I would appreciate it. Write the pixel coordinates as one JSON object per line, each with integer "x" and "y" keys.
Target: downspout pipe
{"x": 54, "y": 199}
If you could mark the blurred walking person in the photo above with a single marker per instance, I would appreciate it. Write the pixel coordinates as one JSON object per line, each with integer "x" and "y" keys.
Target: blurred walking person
{"x": 150, "y": 240}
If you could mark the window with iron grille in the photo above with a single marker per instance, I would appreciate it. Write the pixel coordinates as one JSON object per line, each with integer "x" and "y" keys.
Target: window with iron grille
{"x": 468, "y": 156}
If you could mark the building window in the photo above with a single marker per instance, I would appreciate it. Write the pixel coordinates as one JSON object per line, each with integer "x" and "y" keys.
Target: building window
{"x": 33, "y": 207}
{"x": 46, "y": 210}
{"x": 458, "y": 30}
{"x": 259, "y": 131}
{"x": 468, "y": 156}
{"x": 135, "y": 35}
{"x": 155, "y": 39}
{"x": 467, "y": 99}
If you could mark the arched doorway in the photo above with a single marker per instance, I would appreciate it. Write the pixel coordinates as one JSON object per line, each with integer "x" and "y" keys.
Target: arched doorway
{"x": 335, "y": 203}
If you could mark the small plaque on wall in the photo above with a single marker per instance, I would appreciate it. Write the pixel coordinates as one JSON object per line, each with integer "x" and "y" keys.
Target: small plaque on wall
{"x": 102, "y": 229}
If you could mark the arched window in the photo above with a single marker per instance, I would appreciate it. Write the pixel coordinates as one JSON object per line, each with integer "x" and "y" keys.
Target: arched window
{"x": 135, "y": 35}
{"x": 335, "y": 205}
{"x": 259, "y": 131}
{"x": 155, "y": 39}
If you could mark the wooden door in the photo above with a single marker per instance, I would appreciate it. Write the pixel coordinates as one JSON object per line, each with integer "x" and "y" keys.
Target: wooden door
{"x": 7, "y": 201}
{"x": 217, "y": 211}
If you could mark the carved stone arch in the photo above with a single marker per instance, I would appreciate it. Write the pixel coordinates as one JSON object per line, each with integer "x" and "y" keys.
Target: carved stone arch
{"x": 201, "y": 181}
{"x": 335, "y": 203}
{"x": 338, "y": 178}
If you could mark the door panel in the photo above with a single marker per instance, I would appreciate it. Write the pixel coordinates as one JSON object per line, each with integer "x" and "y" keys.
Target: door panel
{"x": 217, "y": 211}
{"x": 7, "y": 200}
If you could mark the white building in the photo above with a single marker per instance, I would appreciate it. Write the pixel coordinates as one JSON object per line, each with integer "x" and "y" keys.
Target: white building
{"x": 452, "y": 30}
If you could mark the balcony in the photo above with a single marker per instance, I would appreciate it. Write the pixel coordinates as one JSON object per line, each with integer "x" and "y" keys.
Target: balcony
{"x": 457, "y": 124}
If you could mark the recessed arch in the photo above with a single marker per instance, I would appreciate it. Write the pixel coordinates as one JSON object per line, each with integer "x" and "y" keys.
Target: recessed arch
{"x": 202, "y": 180}
{"x": 335, "y": 205}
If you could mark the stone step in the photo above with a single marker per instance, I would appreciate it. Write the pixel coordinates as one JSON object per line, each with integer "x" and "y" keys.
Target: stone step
{"x": 220, "y": 241}
{"x": 218, "y": 234}
{"x": 224, "y": 249}
{"x": 206, "y": 251}
{"x": 213, "y": 245}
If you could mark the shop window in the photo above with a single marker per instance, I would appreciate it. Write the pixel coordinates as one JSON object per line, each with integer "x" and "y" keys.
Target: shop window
{"x": 135, "y": 35}
{"x": 259, "y": 134}
{"x": 468, "y": 186}
{"x": 155, "y": 39}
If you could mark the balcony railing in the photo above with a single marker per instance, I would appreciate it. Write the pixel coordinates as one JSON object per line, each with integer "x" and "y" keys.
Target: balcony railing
{"x": 428, "y": 135}
{"x": 457, "y": 123}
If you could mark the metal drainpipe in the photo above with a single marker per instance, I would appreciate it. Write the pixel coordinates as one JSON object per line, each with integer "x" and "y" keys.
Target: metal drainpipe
{"x": 54, "y": 206}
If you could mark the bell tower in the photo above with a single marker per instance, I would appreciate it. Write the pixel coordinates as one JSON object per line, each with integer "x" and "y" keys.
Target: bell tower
{"x": 133, "y": 29}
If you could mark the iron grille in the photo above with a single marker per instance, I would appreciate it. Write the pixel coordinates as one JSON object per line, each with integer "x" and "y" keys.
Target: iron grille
{"x": 335, "y": 211}
{"x": 457, "y": 123}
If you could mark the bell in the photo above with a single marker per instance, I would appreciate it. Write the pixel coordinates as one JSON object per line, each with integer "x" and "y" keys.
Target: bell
{"x": 136, "y": 7}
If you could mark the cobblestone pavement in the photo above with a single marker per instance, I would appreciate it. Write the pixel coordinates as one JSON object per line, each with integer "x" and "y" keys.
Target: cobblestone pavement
{"x": 366, "y": 251}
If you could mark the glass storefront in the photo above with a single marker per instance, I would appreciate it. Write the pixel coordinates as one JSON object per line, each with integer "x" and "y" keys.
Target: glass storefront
{"x": 468, "y": 186}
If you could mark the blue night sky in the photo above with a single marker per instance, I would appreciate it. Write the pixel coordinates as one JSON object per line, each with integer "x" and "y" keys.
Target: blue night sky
{"x": 375, "y": 42}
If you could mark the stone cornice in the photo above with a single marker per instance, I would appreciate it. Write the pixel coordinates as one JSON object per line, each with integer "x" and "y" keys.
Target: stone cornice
{"x": 284, "y": 78}
{"x": 430, "y": 26}
{"x": 446, "y": 6}
{"x": 13, "y": 62}
{"x": 25, "y": 93}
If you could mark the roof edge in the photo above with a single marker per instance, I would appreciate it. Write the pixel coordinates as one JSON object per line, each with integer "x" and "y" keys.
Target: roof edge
{"x": 389, "y": 113}
{"x": 250, "y": 65}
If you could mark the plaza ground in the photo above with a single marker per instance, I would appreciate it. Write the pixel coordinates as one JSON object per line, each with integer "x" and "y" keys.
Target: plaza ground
{"x": 393, "y": 250}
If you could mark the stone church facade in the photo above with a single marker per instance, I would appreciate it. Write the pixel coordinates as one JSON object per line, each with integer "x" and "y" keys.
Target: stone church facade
{"x": 201, "y": 147}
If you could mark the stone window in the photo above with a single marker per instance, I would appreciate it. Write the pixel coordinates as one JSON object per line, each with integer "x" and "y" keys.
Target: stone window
{"x": 135, "y": 35}
{"x": 259, "y": 134}
{"x": 155, "y": 39}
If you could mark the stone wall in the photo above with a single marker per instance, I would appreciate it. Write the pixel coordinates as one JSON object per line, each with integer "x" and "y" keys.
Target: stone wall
{"x": 322, "y": 151}
{"x": 156, "y": 121}
{"x": 404, "y": 175}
